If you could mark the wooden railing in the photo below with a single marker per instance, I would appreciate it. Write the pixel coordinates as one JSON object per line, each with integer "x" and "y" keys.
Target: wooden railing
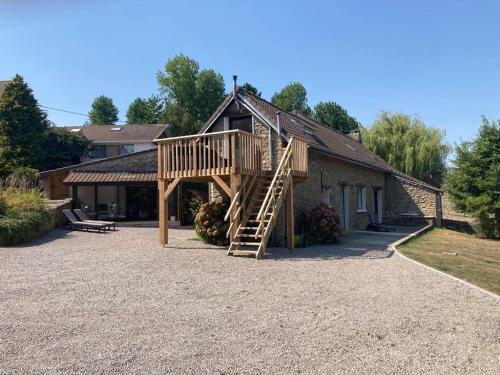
{"x": 299, "y": 160}
{"x": 217, "y": 153}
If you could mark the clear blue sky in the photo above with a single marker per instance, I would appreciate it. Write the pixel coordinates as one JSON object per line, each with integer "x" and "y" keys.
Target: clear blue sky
{"x": 437, "y": 59}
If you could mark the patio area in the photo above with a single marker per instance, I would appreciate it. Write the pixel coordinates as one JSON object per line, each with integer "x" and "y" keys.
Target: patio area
{"x": 77, "y": 302}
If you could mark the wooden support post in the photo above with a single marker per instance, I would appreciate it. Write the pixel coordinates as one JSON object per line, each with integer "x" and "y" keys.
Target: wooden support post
{"x": 163, "y": 212}
{"x": 290, "y": 229}
{"x": 235, "y": 183}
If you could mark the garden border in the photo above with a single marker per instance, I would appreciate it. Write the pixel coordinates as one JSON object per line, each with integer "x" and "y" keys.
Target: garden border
{"x": 393, "y": 247}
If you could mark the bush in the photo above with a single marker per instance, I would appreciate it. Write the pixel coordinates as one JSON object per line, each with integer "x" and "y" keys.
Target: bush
{"x": 191, "y": 202}
{"x": 23, "y": 214}
{"x": 321, "y": 225}
{"x": 210, "y": 225}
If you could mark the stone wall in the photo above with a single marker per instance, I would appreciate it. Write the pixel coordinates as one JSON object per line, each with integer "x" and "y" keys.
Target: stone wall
{"x": 327, "y": 172}
{"x": 450, "y": 212}
{"x": 404, "y": 196}
{"x": 140, "y": 161}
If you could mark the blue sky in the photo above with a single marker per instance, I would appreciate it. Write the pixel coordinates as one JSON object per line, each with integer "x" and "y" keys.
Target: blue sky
{"x": 436, "y": 59}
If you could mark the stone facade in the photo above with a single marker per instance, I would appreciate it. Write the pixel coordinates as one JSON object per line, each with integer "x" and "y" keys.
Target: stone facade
{"x": 140, "y": 161}
{"x": 405, "y": 196}
{"x": 326, "y": 172}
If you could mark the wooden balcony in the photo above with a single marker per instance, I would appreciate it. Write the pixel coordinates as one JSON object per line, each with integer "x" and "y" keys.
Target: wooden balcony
{"x": 220, "y": 153}
{"x": 205, "y": 155}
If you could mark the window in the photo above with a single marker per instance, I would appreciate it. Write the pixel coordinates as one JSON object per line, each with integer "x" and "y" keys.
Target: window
{"x": 97, "y": 152}
{"x": 327, "y": 195}
{"x": 243, "y": 123}
{"x": 361, "y": 199}
{"x": 126, "y": 149}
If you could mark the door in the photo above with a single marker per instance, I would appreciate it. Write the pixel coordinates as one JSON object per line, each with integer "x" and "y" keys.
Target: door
{"x": 344, "y": 206}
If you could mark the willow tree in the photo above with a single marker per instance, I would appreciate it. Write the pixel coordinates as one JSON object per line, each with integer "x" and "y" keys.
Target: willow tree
{"x": 409, "y": 146}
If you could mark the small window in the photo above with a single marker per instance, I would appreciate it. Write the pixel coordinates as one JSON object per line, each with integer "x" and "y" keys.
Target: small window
{"x": 242, "y": 123}
{"x": 97, "y": 152}
{"x": 327, "y": 196}
{"x": 361, "y": 199}
{"x": 126, "y": 149}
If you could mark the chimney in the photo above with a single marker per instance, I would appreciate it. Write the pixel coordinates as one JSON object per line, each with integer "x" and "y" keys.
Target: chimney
{"x": 356, "y": 135}
{"x": 235, "y": 78}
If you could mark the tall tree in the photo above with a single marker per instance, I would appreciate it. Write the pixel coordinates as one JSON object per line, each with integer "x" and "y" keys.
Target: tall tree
{"x": 62, "y": 148}
{"x": 145, "y": 111}
{"x": 191, "y": 95}
{"x": 334, "y": 116}
{"x": 210, "y": 92}
{"x": 409, "y": 146}
{"x": 22, "y": 127}
{"x": 292, "y": 96}
{"x": 103, "y": 111}
{"x": 474, "y": 179}
{"x": 251, "y": 89}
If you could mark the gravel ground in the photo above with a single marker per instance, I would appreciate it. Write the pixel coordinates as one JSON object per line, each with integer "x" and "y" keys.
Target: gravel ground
{"x": 119, "y": 303}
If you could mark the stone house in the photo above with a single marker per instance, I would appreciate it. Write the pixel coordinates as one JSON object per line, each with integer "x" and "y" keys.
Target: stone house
{"x": 259, "y": 156}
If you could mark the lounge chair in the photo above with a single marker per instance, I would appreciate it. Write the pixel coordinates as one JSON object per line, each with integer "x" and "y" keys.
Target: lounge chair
{"x": 376, "y": 226}
{"x": 80, "y": 214}
{"x": 74, "y": 223}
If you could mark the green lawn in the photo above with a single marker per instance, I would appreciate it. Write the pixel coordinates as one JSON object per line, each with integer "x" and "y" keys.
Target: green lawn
{"x": 476, "y": 261}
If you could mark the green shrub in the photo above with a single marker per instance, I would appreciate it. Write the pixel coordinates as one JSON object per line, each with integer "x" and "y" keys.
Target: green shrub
{"x": 23, "y": 215}
{"x": 210, "y": 225}
{"x": 321, "y": 225}
{"x": 19, "y": 201}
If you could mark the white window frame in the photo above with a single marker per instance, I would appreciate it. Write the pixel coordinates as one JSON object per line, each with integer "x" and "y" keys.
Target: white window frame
{"x": 327, "y": 196}
{"x": 360, "y": 199}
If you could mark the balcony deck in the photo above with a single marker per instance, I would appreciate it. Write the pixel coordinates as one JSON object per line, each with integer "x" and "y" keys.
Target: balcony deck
{"x": 201, "y": 156}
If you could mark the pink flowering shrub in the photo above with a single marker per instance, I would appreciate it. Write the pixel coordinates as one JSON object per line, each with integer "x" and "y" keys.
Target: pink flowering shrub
{"x": 210, "y": 225}
{"x": 321, "y": 225}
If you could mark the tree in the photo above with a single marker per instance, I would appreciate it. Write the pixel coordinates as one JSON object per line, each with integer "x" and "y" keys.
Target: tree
{"x": 251, "y": 89}
{"x": 145, "y": 111}
{"x": 409, "y": 146}
{"x": 62, "y": 148}
{"x": 210, "y": 92}
{"x": 292, "y": 96}
{"x": 191, "y": 95}
{"x": 103, "y": 111}
{"x": 22, "y": 127}
{"x": 474, "y": 182}
{"x": 334, "y": 116}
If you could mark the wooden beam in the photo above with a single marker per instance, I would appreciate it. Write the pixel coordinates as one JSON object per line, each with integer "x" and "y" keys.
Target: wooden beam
{"x": 163, "y": 213}
{"x": 235, "y": 213}
{"x": 290, "y": 229}
{"x": 223, "y": 185}
{"x": 171, "y": 187}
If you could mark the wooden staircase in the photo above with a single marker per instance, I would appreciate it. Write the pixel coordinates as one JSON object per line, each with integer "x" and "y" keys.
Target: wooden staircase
{"x": 258, "y": 208}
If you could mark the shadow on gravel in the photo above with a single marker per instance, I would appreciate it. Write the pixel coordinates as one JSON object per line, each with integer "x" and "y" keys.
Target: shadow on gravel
{"x": 327, "y": 253}
{"x": 56, "y": 234}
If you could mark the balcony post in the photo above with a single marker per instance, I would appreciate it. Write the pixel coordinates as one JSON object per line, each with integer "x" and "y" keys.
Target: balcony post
{"x": 163, "y": 212}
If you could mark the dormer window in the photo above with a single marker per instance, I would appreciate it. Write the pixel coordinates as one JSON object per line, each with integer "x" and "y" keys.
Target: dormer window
{"x": 241, "y": 122}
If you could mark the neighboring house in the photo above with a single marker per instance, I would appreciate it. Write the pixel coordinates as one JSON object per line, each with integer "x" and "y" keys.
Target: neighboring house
{"x": 262, "y": 158}
{"x": 114, "y": 140}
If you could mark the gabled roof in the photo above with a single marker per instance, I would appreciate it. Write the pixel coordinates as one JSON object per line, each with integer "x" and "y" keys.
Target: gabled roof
{"x": 120, "y": 133}
{"x": 319, "y": 136}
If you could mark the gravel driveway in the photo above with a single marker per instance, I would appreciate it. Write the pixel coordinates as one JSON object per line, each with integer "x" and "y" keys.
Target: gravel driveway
{"x": 119, "y": 303}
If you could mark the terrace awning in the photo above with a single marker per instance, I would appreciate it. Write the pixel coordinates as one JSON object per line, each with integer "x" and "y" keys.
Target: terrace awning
{"x": 109, "y": 178}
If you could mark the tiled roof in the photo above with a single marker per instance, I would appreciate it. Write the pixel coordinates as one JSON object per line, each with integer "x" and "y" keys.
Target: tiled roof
{"x": 93, "y": 177}
{"x": 318, "y": 135}
{"x": 126, "y": 133}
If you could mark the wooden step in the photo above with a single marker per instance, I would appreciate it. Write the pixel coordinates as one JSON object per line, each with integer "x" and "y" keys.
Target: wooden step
{"x": 248, "y": 235}
{"x": 246, "y": 244}
{"x": 256, "y": 221}
{"x": 243, "y": 252}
